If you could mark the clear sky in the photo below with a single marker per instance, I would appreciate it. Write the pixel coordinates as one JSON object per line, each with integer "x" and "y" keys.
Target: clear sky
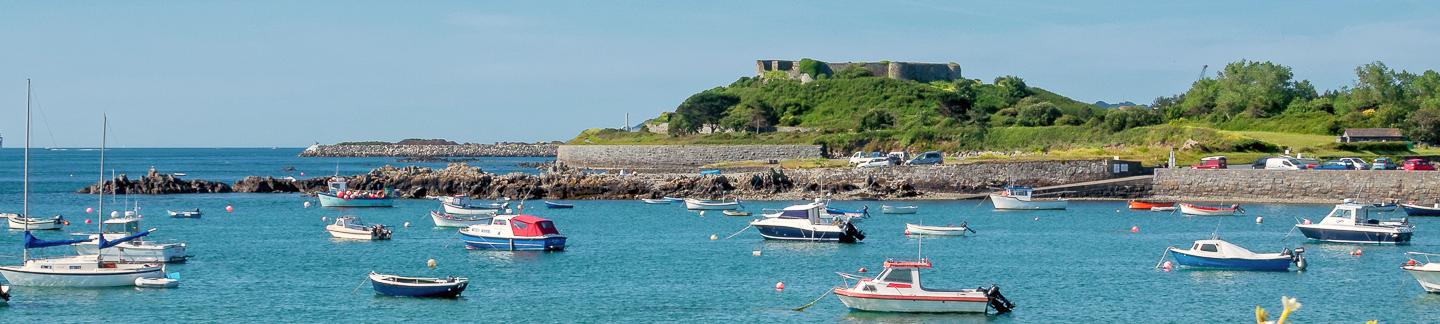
{"x": 290, "y": 73}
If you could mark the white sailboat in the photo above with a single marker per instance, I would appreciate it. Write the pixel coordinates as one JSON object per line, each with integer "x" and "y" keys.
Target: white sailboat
{"x": 75, "y": 271}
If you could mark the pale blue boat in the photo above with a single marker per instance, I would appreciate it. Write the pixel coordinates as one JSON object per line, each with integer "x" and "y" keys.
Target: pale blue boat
{"x": 340, "y": 196}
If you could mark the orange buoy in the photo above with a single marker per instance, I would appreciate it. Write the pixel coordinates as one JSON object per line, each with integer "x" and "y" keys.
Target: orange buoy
{"x": 89, "y": 210}
{"x": 779, "y": 286}
{"x": 862, "y": 269}
{"x": 1307, "y": 221}
{"x": 1135, "y": 229}
{"x": 87, "y": 221}
{"x": 229, "y": 208}
{"x": 907, "y": 232}
{"x": 1357, "y": 252}
{"x": 1167, "y": 266}
{"x": 1410, "y": 263}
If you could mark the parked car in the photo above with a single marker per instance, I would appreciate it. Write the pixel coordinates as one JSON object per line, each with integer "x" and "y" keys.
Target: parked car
{"x": 1260, "y": 162}
{"x": 875, "y": 163}
{"x": 927, "y": 158}
{"x": 1283, "y": 163}
{"x": 1418, "y": 165}
{"x": 1383, "y": 163}
{"x": 1213, "y": 162}
{"x": 1355, "y": 163}
{"x": 1306, "y": 163}
{"x": 898, "y": 157}
{"x": 862, "y": 156}
{"x": 1334, "y": 165}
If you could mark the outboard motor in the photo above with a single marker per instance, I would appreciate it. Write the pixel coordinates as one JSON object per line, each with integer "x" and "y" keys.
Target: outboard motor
{"x": 851, "y": 234}
{"x": 1298, "y": 259}
{"x": 998, "y": 301}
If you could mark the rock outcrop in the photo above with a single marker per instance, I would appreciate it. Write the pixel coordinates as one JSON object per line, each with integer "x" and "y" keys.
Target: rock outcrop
{"x": 155, "y": 183}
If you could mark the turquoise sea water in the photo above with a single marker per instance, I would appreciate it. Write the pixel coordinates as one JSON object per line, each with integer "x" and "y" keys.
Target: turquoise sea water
{"x": 271, "y": 260}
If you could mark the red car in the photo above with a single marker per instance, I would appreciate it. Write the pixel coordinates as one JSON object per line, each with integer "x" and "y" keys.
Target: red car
{"x": 1417, "y": 165}
{"x": 1214, "y": 162}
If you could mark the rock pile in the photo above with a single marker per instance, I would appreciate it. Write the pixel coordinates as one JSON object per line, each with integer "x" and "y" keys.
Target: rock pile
{"x": 155, "y": 183}
{"x": 461, "y": 150}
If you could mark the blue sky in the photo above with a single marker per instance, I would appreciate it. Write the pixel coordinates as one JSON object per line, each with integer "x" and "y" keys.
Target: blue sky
{"x": 289, "y": 73}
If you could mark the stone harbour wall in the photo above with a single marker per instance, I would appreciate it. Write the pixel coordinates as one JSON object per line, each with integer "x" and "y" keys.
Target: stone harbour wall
{"x": 460, "y": 150}
{"x": 967, "y": 178}
{"x": 1297, "y": 186}
{"x": 676, "y": 157}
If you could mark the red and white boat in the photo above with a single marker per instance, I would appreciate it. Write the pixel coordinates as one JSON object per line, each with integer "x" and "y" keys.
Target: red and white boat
{"x": 1193, "y": 209}
{"x": 897, "y": 289}
{"x": 1149, "y": 205}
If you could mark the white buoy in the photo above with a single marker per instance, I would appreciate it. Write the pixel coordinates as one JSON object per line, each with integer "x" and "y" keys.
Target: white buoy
{"x": 713, "y": 237}
{"x": 702, "y": 213}
{"x": 114, "y": 213}
{"x": 755, "y": 253}
{"x": 407, "y": 224}
{"x": 1259, "y": 219}
{"x": 307, "y": 204}
{"x": 431, "y": 263}
{"x": 324, "y": 219}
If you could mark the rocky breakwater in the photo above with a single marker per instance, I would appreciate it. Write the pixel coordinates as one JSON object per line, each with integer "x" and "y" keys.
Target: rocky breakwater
{"x": 155, "y": 183}
{"x": 456, "y": 150}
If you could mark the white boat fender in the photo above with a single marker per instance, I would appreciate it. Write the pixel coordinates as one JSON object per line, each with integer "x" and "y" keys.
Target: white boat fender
{"x": 324, "y": 219}
{"x": 1259, "y": 219}
{"x": 307, "y": 204}
{"x": 431, "y": 263}
{"x": 407, "y": 224}
{"x": 714, "y": 237}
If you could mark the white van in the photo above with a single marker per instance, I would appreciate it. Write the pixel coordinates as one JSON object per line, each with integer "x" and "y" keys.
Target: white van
{"x": 1280, "y": 163}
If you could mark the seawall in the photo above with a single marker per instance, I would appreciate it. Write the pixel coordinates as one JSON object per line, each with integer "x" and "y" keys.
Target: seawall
{"x": 1295, "y": 186}
{"x": 676, "y": 157}
{"x": 460, "y": 150}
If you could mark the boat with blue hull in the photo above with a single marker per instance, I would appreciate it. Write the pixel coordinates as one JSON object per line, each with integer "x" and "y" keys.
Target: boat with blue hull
{"x": 1418, "y": 210}
{"x": 1220, "y": 254}
{"x": 394, "y": 285}
{"x": 808, "y": 222}
{"x": 514, "y": 233}
{"x": 555, "y": 205}
{"x": 341, "y": 196}
{"x": 1354, "y": 223}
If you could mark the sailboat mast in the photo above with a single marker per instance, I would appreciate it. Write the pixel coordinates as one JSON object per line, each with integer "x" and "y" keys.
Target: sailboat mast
{"x": 104, "y": 123}
{"x": 25, "y": 209}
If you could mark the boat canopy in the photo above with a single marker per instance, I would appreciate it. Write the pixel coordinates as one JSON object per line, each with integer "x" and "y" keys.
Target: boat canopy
{"x": 121, "y": 225}
{"x": 107, "y": 243}
{"x": 1223, "y": 248}
{"x": 31, "y": 242}
{"x": 1348, "y": 213}
{"x": 1018, "y": 191}
{"x": 337, "y": 184}
{"x": 526, "y": 225}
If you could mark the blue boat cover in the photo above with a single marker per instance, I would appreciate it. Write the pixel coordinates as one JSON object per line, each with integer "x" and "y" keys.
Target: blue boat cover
{"x": 832, "y": 210}
{"x": 105, "y": 243}
{"x": 709, "y": 172}
{"x": 31, "y": 242}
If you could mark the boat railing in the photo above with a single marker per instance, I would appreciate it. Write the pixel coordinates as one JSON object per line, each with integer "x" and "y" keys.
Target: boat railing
{"x": 845, "y": 278}
{"x": 1423, "y": 255}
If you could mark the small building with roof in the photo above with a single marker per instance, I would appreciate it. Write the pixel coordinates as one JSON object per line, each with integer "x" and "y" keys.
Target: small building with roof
{"x": 1352, "y": 135}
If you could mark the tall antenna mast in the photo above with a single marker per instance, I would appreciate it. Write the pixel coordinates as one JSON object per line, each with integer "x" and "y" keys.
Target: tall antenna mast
{"x": 25, "y": 209}
{"x": 99, "y": 220}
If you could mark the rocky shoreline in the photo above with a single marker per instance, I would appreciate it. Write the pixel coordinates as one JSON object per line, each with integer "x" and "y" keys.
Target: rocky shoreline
{"x": 428, "y": 151}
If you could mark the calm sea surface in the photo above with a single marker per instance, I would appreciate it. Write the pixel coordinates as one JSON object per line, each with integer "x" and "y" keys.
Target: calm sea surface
{"x": 271, "y": 260}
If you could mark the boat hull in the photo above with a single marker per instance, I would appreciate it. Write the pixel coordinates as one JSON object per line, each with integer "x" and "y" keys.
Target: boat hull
{"x": 327, "y": 200}
{"x": 1357, "y": 235}
{"x": 1417, "y": 210}
{"x": 1013, "y": 203}
{"x": 119, "y": 278}
{"x": 442, "y": 221}
{"x": 551, "y": 205}
{"x": 913, "y": 229}
{"x": 1429, "y": 280}
{"x": 442, "y": 290}
{"x": 898, "y": 209}
{"x": 543, "y": 243}
{"x": 896, "y": 304}
{"x": 34, "y": 224}
{"x": 1276, "y": 264}
{"x": 461, "y": 210}
{"x": 1141, "y": 204}
{"x": 692, "y": 205}
{"x": 146, "y": 252}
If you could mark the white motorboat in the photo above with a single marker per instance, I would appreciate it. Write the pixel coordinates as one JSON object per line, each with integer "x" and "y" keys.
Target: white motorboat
{"x": 1220, "y": 254}
{"x": 8, "y": 215}
{"x": 1427, "y": 273}
{"x": 699, "y": 204}
{"x": 913, "y": 229}
{"x": 37, "y": 223}
{"x": 185, "y": 213}
{"x": 1198, "y": 210}
{"x": 1022, "y": 198}
{"x": 898, "y": 289}
{"x": 134, "y": 251}
{"x": 808, "y": 222}
{"x": 887, "y": 209}
{"x": 1352, "y": 223}
{"x": 350, "y": 227}
{"x": 661, "y": 201}
{"x": 161, "y": 282}
{"x": 462, "y": 206}
{"x": 448, "y": 220}
{"x": 514, "y": 233}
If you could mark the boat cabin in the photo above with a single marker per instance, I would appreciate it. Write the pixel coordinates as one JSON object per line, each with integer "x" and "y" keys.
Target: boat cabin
{"x": 349, "y": 222}
{"x": 120, "y": 226}
{"x": 1350, "y": 213}
{"x": 525, "y": 225}
{"x": 337, "y": 184}
{"x": 900, "y": 274}
{"x": 1017, "y": 191}
{"x": 1219, "y": 248}
{"x": 812, "y": 211}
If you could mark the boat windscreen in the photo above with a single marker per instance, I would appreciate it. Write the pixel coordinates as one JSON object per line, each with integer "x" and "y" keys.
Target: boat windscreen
{"x": 795, "y": 214}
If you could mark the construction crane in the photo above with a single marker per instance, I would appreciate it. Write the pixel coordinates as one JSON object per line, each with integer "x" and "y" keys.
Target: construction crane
{"x": 1202, "y": 72}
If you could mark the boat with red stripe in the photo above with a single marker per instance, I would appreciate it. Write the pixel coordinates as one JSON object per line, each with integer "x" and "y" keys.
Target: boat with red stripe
{"x": 898, "y": 289}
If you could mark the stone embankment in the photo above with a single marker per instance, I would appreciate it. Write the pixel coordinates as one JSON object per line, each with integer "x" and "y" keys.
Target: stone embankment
{"x": 1295, "y": 186}
{"x": 459, "y": 150}
{"x": 677, "y": 158}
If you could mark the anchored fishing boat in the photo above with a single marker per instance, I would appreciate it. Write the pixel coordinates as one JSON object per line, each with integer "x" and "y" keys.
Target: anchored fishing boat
{"x": 556, "y": 205}
{"x": 913, "y": 229}
{"x": 808, "y": 222}
{"x": 462, "y": 206}
{"x": 898, "y": 289}
{"x": 1352, "y": 223}
{"x": 341, "y": 196}
{"x": 1022, "y": 198}
{"x": 448, "y": 220}
{"x": 350, "y": 227}
{"x": 1418, "y": 210}
{"x": 699, "y": 204}
{"x": 887, "y": 209}
{"x": 1220, "y": 254}
{"x": 514, "y": 233}
{"x": 1427, "y": 273}
{"x": 1198, "y": 210}
{"x": 134, "y": 251}
{"x": 35, "y": 223}
{"x": 185, "y": 213}
{"x": 1149, "y": 205}
{"x": 393, "y": 285}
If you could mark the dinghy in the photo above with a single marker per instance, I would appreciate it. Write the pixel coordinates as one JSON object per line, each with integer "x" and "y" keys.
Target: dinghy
{"x": 350, "y": 227}
{"x": 887, "y": 209}
{"x": 1427, "y": 273}
{"x": 698, "y": 204}
{"x": 1197, "y": 210}
{"x": 913, "y": 229}
{"x": 1163, "y": 209}
{"x": 555, "y": 205}
{"x": 898, "y": 289}
{"x": 448, "y": 220}
{"x": 394, "y": 285}
{"x": 185, "y": 213}
{"x": 1022, "y": 198}
{"x": 156, "y": 283}
{"x": 35, "y": 223}
{"x": 1353, "y": 223}
{"x": 1151, "y": 205}
{"x": 1220, "y": 254}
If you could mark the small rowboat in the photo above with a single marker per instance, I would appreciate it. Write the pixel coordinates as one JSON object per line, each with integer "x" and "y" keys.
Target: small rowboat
{"x": 1141, "y": 204}
{"x": 898, "y": 289}
{"x": 887, "y": 209}
{"x": 912, "y": 229}
{"x": 185, "y": 214}
{"x": 697, "y": 204}
{"x": 1418, "y": 210}
{"x": 555, "y": 205}
{"x": 143, "y": 282}
{"x": 449, "y": 220}
{"x": 728, "y": 212}
{"x": 418, "y": 287}
{"x": 1162, "y": 209}
{"x": 661, "y": 201}
{"x": 1193, "y": 209}
{"x": 350, "y": 227}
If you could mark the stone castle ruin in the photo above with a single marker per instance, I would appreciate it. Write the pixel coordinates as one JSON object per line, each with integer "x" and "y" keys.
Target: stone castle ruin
{"x": 921, "y": 72}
